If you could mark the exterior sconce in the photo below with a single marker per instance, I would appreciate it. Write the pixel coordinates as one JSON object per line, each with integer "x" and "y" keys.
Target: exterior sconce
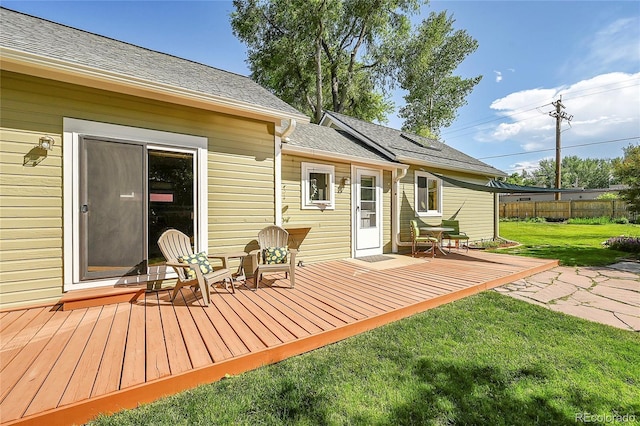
{"x": 346, "y": 180}
{"x": 46, "y": 143}
{"x": 38, "y": 152}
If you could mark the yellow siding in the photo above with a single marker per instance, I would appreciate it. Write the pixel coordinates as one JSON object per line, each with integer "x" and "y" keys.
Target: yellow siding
{"x": 330, "y": 234}
{"x": 475, "y": 216}
{"x": 240, "y": 175}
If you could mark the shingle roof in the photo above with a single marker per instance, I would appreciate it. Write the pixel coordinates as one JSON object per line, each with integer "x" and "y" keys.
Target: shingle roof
{"x": 330, "y": 140}
{"x": 37, "y": 36}
{"x": 407, "y": 147}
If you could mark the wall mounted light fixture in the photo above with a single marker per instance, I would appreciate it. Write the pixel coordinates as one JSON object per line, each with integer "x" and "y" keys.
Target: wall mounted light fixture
{"x": 46, "y": 143}
{"x": 346, "y": 180}
{"x": 39, "y": 152}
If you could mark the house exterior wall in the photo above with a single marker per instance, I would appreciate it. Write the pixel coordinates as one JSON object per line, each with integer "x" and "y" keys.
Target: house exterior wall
{"x": 240, "y": 175}
{"x": 476, "y": 216}
{"x": 326, "y": 234}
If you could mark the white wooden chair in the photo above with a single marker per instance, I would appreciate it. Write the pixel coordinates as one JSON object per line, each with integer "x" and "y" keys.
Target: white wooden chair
{"x": 176, "y": 245}
{"x": 273, "y": 254}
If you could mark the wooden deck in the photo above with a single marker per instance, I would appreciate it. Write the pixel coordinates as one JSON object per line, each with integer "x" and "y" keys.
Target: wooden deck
{"x": 65, "y": 367}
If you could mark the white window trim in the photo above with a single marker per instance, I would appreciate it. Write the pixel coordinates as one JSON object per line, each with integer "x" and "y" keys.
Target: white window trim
{"x": 73, "y": 130}
{"x": 428, "y": 213}
{"x": 307, "y": 203}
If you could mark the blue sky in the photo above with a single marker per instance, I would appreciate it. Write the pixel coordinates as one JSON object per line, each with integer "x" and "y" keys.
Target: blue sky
{"x": 530, "y": 53}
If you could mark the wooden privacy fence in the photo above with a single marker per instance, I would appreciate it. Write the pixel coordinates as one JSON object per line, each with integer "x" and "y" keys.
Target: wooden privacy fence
{"x": 566, "y": 209}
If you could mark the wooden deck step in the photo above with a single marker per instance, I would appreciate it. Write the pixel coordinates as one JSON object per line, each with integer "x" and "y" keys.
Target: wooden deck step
{"x": 78, "y": 299}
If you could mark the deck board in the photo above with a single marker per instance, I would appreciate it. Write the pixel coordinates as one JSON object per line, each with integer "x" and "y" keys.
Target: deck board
{"x": 81, "y": 382}
{"x": 157, "y": 360}
{"x": 59, "y": 367}
{"x": 51, "y": 391}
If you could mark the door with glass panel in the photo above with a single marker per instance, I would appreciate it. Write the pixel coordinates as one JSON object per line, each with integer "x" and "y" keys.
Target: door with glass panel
{"x": 128, "y": 195}
{"x": 368, "y": 213}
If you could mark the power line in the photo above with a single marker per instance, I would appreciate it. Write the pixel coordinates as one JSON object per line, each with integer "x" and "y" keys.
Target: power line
{"x": 553, "y": 149}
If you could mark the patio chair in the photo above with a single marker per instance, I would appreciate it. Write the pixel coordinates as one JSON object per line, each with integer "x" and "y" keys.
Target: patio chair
{"x": 273, "y": 254}
{"x": 416, "y": 240}
{"x": 193, "y": 269}
{"x": 455, "y": 235}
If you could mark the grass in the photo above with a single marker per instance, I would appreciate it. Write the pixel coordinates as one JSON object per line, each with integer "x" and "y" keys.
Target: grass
{"x": 486, "y": 359}
{"x": 572, "y": 244}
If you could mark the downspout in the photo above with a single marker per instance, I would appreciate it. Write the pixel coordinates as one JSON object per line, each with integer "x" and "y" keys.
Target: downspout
{"x": 280, "y": 136}
{"x": 284, "y": 136}
{"x": 396, "y": 211}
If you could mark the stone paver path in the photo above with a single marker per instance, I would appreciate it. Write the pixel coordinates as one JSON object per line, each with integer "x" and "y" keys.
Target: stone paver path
{"x": 609, "y": 295}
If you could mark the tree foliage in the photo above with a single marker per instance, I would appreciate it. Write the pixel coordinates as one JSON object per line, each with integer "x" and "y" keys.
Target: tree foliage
{"x": 429, "y": 59}
{"x": 576, "y": 172}
{"x": 332, "y": 54}
{"x": 627, "y": 170}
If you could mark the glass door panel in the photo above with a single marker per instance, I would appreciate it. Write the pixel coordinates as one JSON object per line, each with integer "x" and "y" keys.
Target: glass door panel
{"x": 368, "y": 240}
{"x": 112, "y": 219}
{"x": 171, "y": 197}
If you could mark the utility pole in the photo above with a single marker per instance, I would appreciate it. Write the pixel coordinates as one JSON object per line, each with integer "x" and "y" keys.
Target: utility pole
{"x": 559, "y": 115}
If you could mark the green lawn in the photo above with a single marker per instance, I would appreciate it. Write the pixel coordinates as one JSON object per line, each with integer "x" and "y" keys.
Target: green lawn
{"x": 483, "y": 360}
{"x": 573, "y": 245}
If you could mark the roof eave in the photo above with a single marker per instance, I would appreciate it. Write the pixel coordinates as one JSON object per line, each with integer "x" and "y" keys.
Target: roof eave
{"x": 416, "y": 162}
{"x": 46, "y": 67}
{"x": 328, "y": 155}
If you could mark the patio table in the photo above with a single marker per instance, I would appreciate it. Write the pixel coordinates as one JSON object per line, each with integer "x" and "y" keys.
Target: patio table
{"x": 239, "y": 275}
{"x": 436, "y": 231}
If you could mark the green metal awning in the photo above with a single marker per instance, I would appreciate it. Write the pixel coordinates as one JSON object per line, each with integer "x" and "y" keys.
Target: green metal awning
{"x": 498, "y": 187}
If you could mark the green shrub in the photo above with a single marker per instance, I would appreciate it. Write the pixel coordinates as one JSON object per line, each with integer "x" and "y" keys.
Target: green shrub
{"x": 536, "y": 220}
{"x": 608, "y": 196}
{"x": 602, "y": 220}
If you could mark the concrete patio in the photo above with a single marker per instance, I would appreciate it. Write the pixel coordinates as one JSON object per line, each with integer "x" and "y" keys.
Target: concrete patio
{"x": 608, "y": 295}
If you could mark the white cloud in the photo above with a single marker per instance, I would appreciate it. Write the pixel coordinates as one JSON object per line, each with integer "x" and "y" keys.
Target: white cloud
{"x": 615, "y": 46}
{"x": 529, "y": 166}
{"x": 499, "y": 76}
{"x": 605, "y": 107}
{"x": 617, "y": 42}
{"x": 532, "y": 146}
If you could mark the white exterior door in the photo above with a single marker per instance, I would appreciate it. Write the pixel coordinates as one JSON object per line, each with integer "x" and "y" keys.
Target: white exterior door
{"x": 367, "y": 192}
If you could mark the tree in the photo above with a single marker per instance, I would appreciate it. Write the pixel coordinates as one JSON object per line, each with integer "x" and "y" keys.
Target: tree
{"x": 317, "y": 54}
{"x": 577, "y": 172}
{"x": 627, "y": 170}
{"x": 430, "y": 58}
{"x": 523, "y": 179}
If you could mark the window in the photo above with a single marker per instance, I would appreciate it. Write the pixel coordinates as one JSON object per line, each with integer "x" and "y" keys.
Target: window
{"x": 428, "y": 195}
{"x": 317, "y": 186}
